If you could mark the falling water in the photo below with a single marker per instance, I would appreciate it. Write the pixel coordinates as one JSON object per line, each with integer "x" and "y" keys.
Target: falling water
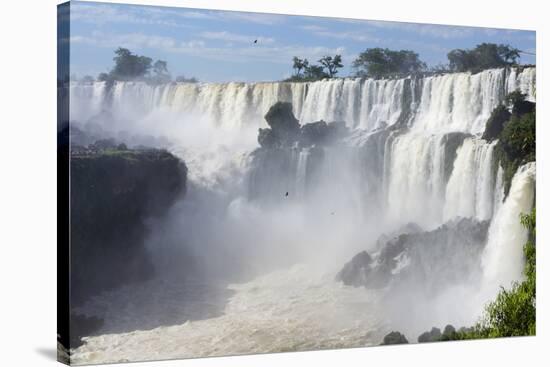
{"x": 414, "y": 154}
{"x": 503, "y": 257}
{"x": 301, "y": 172}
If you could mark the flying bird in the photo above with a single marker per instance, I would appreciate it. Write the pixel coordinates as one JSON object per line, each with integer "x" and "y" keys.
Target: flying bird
{"x": 255, "y": 41}
{"x": 286, "y": 193}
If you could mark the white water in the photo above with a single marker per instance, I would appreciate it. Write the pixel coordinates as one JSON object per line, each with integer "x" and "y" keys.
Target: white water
{"x": 301, "y": 172}
{"x": 503, "y": 257}
{"x": 384, "y": 181}
{"x": 294, "y": 309}
{"x": 454, "y": 102}
{"x": 470, "y": 189}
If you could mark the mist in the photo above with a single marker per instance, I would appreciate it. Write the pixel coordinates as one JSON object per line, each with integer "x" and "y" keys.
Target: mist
{"x": 252, "y": 249}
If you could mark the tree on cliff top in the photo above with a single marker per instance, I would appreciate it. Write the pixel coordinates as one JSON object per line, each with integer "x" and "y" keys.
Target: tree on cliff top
{"x": 299, "y": 65}
{"x": 381, "y": 62}
{"x": 332, "y": 64}
{"x": 483, "y": 56}
{"x": 130, "y": 66}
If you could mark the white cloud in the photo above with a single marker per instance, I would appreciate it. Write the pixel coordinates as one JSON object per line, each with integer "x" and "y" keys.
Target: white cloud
{"x": 103, "y": 14}
{"x": 106, "y": 13}
{"x": 359, "y": 36}
{"x": 355, "y": 36}
{"x": 433, "y": 30}
{"x": 259, "y": 18}
{"x": 313, "y": 28}
{"x": 233, "y": 37}
{"x": 198, "y": 48}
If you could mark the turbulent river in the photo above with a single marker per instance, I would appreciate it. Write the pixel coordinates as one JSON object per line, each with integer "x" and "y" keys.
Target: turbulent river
{"x": 264, "y": 270}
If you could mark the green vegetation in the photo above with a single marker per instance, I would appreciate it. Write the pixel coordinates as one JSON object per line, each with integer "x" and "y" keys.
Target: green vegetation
{"x": 130, "y": 66}
{"x": 483, "y": 56}
{"x": 513, "y": 312}
{"x": 304, "y": 72}
{"x": 516, "y": 145}
{"x": 383, "y": 62}
{"x": 515, "y": 133}
{"x": 184, "y": 79}
{"x": 331, "y": 64}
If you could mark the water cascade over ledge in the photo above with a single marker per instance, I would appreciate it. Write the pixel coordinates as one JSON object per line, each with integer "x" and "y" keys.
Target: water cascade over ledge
{"x": 288, "y": 218}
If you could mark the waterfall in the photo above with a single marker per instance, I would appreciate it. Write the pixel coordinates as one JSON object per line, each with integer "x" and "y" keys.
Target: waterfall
{"x": 470, "y": 191}
{"x": 414, "y": 166}
{"x": 503, "y": 257}
{"x": 415, "y": 170}
{"x": 301, "y": 172}
{"x": 411, "y": 170}
{"x": 525, "y": 81}
{"x": 416, "y": 184}
{"x": 451, "y": 102}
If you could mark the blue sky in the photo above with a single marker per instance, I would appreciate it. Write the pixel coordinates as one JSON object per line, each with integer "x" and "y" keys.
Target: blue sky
{"x": 217, "y": 46}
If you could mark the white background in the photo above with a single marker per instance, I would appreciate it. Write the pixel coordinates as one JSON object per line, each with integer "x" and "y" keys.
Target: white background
{"x": 28, "y": 182}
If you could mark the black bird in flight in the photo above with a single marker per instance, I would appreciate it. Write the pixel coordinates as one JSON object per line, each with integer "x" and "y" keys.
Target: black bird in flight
{"x": 255, "y": 41}
{"x": 286, "y": 193}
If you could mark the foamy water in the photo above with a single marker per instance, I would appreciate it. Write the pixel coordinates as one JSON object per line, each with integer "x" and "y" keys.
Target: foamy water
{"x": 288, "y": 310}
{"x": 377, "y": 183}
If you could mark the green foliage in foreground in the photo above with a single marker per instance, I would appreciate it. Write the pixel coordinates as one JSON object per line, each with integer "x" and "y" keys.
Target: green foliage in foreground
{"x": 513, "y": 312}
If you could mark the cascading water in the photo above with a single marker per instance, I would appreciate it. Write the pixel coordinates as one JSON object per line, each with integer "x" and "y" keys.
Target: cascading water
{"x": 414, "y": 154}
{"x": 470, "y": 191}
{"x": 503, "y": 257}
{"x": 301, "y": 172}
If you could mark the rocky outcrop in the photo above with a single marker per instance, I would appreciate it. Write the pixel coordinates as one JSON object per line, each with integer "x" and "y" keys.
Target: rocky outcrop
{"x": 285, "y": 130}
{"x": 283, "y": 127}
{"x": 357, "y": 271}
{"x": 499, "y": 117}
{"x": 394, "y": 337}
{"x": 113, "y": 192}
{"x": 421, "y": 258}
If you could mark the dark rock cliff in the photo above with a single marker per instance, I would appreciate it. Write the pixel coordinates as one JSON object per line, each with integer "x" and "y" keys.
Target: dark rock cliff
{"x": 113, "y": 192}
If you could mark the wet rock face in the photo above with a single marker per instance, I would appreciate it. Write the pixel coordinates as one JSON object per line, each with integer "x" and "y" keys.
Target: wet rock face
{"x": 421, "y": 258}
{"x": 285, "y": 130}
{"x": 113, "y": 193}
{"x": 314, "y": 133}
{"x": 357, "y": 271}
{"x": 322, "y": 133}
{"x": 275, "y": 165}
{"x": 284, "y": 126}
